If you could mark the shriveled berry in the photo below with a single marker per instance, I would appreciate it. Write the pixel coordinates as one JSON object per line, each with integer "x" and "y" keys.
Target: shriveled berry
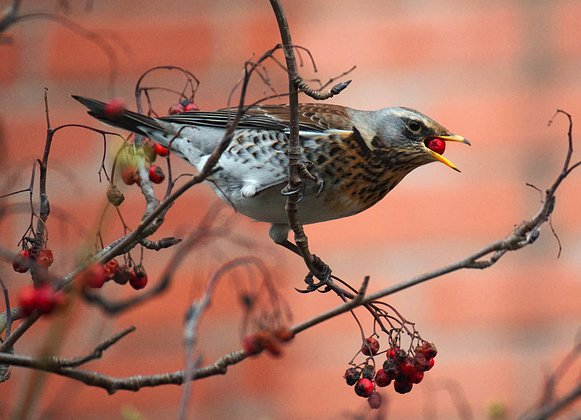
{"x": 114, "y": 107}
{"x": 111, "y": 266}
{"x": 427, "y": 349}
{"x": 114, "y": 196}
{"x": 129, "y": 175}
{"x": 391, "y": 368}
{"x": 368, "y": 372}
{"x": 156, "y": 174}
{"x": 176, "y": 109}
{"x": 44, "y": 258}
{"x": 382, "y": 378}
{"x": 138, "y": 278}
{"x": 402, "y": 387}
{"x": 370, "y": 346}
{"x": 161, "y": 150}
{"x": 364, "y": 387}
{"x": 122, "y": 275}
{"x": 351, "y": 376}
{"x": 374, "y": 400}
{"x": 21, "y": 262}
{"x": 436, "y": 145}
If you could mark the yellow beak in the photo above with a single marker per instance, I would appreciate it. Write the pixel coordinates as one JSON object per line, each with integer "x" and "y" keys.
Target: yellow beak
{"x": 451, "y": 137}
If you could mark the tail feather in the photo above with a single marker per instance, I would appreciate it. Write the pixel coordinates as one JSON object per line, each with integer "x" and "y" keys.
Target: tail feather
{"x": 126, "y": 120}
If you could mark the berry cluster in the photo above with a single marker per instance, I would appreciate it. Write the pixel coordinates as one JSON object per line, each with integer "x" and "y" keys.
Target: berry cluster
{"x": 270, "y": 341}
{"x": 22, "y": 261}
{"x": 183, "y": 106}
{"x": 129, "y": 171}
{"x": 97, "y": 274}
{"x": 42, "y": 298}
{"x": 402, "y": 368}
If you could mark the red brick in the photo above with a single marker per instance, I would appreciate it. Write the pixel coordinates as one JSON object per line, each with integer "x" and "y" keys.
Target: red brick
{"x": 11, "y": 62}
{"x": 408, "y": 42}
{"x": 149, "y": 45}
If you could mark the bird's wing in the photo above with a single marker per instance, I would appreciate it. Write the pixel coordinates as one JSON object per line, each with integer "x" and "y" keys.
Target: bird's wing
{"x": 312, "y": 118}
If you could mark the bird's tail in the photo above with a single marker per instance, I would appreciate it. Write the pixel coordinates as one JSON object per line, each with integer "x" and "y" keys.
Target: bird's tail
{"x": 123, "y": 118}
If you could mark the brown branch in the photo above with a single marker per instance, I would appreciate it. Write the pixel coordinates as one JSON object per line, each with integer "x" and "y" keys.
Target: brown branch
{"x": 549, "y": 410}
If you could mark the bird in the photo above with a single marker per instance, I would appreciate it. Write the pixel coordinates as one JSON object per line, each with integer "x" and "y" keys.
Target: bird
{"x": 356, "y": 156}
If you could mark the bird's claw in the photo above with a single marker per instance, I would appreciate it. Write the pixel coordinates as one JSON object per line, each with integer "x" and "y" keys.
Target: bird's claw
{"x": 324, "y": 277}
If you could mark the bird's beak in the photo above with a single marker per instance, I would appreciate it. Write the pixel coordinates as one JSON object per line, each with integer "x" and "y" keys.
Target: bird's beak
{"x": 451, "y": 137}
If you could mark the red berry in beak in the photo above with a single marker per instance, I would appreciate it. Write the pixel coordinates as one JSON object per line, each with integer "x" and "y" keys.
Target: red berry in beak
{"x": 436, "y": 145}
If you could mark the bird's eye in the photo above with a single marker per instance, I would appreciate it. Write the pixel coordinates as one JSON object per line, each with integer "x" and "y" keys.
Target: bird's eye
{"x": 414, "y": 126}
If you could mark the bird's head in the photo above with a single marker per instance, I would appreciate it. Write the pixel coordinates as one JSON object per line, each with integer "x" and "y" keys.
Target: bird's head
{"x": 410, "y": 137}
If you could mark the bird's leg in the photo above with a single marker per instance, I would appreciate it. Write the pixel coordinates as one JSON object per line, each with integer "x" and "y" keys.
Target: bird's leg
{"x": 304, "y": 169}
{"x": 291, "y": 247}
{"x": 323, "y": 274}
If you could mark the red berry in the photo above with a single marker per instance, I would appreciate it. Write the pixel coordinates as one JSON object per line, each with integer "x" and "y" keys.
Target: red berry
{"x": 392, "y": 352}
{"x": 407, "y": 368}
{"x": 190, "y": 106}
{"x": 161, "y": 150}
{"x": 94, "y": 276}
{"x": 129, "y": 175}
{"x": 44, "y": 257}
{"x": 417, "y": 377}
{"x": 156, "y": 174}
{"x": 252, "y": 345}
{"x": 114, "y": 107}
{"x": 45, "y": 298}
{"x": 370, "y": 346}
{"x": 351, "y": 376}
{"x": 138, "y": 278}
{"x": 437, "y": 145}
{"x": 111, "y": 266}
{"x": 374, "y": 400}
{"x": 364, "y": 387}
{"x": 21, "y": 261}
{"x": 430, "y": 364}
{"x": 27, "y": 299}
{"x": 176, "y": 109}
{"x": 382, "y": 378}
{"x": 402, "y": 387}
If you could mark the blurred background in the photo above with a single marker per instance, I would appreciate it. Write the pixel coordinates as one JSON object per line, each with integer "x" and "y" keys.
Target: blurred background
{"x": 492, "y": 71}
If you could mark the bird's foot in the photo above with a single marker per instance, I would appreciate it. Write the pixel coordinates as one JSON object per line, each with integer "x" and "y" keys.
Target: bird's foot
{"x": 305, "y": 171}
{"x": 323, "y": 280}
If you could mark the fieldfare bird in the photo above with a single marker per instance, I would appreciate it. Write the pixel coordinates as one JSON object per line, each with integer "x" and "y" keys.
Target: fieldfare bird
{"x": 358, "y": 156}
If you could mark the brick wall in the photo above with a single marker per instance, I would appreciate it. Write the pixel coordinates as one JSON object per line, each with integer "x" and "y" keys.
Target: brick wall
{"x": 494, "y": 71}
